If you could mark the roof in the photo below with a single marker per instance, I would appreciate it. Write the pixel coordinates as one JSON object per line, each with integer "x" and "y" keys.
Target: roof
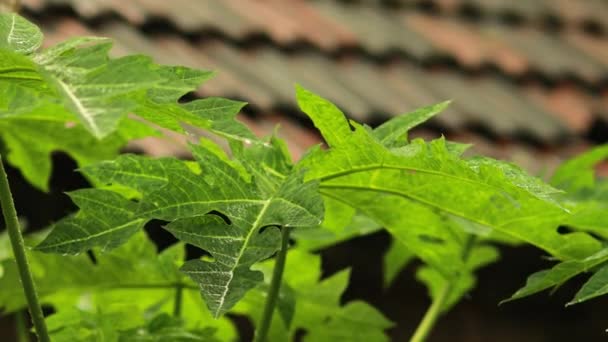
{"x": 523, "y": 75}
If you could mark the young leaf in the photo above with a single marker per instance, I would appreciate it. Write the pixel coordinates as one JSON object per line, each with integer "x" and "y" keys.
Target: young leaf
{"x": 251, "y": 206}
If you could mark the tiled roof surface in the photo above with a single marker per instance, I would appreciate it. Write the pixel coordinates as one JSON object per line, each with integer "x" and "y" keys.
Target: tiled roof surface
{"x": 518, "y": 71}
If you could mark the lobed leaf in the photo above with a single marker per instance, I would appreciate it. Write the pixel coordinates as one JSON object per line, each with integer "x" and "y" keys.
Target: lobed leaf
{"x": 251, "y": 207}
{"x": 428, "y": 177}
{"x": 559, "y": 274}
{"x": 74, "y": 90}
{"x": 586, "y": 197}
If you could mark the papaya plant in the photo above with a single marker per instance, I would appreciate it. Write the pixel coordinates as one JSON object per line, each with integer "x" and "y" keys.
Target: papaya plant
{"x": 257, "y": 215}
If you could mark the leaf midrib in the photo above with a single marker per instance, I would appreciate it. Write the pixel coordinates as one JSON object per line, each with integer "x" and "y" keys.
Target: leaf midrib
{"x": 252, "y": 229}
{"x": 414, "y": 198}
{"x": 82, "y": 111}
{"x": 403, "y": 168}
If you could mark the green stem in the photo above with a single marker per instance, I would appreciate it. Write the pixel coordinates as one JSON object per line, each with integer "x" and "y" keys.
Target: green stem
{"x": 432, "y": 314}
{"x": 436, "y": 309}
{"x": 12, "y": 225}
{"x": 275, "y": 286}
{"x": 177, "y": 303}
{"x": 21, "y": 325}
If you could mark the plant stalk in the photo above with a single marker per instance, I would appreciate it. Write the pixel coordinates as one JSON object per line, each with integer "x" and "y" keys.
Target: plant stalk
{"x": 14, "y": 232}
{"x": 275, "y": 286}
{"x": 435, "y": 310}
{"x": 177, "y": 304}
{"x": 432, "y": 314}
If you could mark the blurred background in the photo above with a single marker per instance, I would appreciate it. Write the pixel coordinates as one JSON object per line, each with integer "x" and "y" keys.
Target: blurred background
{"x": 528, "y": 80}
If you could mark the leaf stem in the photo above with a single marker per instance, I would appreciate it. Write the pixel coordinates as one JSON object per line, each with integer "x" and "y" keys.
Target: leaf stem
{"x": 14, "y": 232}
{"x": 177, "y": 303}
{"x": 432, "y": 314}
{"x": 436, "y": 309}
{"x": 275, "y": 286}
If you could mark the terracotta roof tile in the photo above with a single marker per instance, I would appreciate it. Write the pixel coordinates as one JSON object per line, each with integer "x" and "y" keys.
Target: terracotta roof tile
{"x": 506, "y": 81}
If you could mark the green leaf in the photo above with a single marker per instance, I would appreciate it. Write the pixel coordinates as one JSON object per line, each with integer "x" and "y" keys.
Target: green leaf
{"x": 97, "y": 89}
{"x": 341, "y": 223}
{"x": 559, "y": 274}
{"x": 394, "y": 131}
{"x": 221, "y": 114}
{"x": 587, "y": 197}
{"x": 395, "y": 259}
{"x": 166, "y": 328}
{"x": 82, "y": 326}
{"x": 251, "y": 206}
{"x": 318, "y": 311}
{"x": 596, "y": 286}
{"x": 426, "y": 177}
{"x": 356, "y": 321}
{"x": 73, "y": 97}
{"x": 18, "y": 34}
{"x": 461, "y": 282}
{"x": 578, "y": 173}
{"x": 103, "y": 212}
{"x": 132, "y": 276}
{"x": 31, "y": 145}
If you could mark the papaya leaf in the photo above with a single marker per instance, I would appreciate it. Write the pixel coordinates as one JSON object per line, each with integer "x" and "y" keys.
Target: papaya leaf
{"x": 426, "y": 178}
{"x": 396, "y": 258}
{"x": 18, "y": 34}
{"x": 559, "y": 274}
{"x": 578, "y": 173}
{"x": 318, "y": 310}
{"x": 251, "y": 207}
{"x": 80, "y": 326}
{"x": 341, "y": 223}
{"x": 166, "y": 328}
{"x": 394, "y": 131}
{"x": 596, "y": 286}
{"x": 587, "y": 196}
{"x": 133, "y": 276}
{"x": 75, "y": 98}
